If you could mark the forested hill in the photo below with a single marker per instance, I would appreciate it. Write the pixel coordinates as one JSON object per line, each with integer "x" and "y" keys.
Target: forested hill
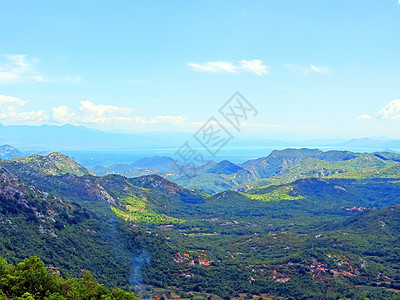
{"x": 283, "y": 166}
{"x": 280, "y": 166}
{"x": 31, "y": 279}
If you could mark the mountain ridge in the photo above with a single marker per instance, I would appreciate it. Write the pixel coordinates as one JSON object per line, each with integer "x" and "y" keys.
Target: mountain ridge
{"x": 78, "y": 136}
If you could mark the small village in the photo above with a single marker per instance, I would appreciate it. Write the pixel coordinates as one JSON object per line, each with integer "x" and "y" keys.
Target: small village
{"x": 187, "y": 258}
{"x": 53, "y": 269}
{"x": 357, "y": 208}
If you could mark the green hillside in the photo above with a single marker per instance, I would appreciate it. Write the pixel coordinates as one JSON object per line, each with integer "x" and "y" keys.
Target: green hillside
{"x": 38, "y": 165}
{"x": 363, "y": 166}
{"x": 31, "y": 279}
{"x": 307, "y": 232}
{"x": 285, "y": 166}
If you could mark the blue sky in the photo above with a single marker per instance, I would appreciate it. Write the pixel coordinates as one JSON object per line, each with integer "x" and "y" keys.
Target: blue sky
{"x": 312, "y": 69}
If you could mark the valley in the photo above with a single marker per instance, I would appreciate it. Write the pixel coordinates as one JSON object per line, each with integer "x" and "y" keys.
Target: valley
{"x": 299, "y": 223}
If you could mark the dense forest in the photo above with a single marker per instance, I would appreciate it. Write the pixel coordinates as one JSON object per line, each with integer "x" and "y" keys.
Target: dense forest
{"x": 31, "y": 279}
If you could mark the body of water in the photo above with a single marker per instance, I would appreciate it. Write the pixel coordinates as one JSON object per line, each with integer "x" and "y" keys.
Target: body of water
{"x": 236, "y": 154}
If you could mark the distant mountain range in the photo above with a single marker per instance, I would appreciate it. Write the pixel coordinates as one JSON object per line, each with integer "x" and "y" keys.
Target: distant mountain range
{"x": 69, "y": 136}
{"x": 284, "y": 166}
{"x": 279, "y": 167}
{"x": 143, "y": 166}
{"x": 77, "y": 137}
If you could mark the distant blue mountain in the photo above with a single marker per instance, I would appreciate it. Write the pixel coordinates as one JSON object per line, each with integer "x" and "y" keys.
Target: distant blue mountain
{"x": 158, "y": 162}
{"x": 7, "y": 152}
{"x": 69, "y": 136}
{"x": 74, "y": 137}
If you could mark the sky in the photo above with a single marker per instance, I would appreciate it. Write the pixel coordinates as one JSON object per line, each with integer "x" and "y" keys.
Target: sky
{"x": 311, "y": 69}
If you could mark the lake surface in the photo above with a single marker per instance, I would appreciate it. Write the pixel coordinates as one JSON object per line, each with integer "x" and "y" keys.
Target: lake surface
{"x": 236, "y": 154}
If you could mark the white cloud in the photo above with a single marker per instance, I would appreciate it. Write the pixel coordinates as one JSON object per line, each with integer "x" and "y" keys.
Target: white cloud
{"x": 319, "y": 69}
{"x": 92, "y": 113}
{"x": 197, "y": 124}
{"x": 101, "y": 116}
{"x": 174, "y": 120}
{"x": 276, "y": 126}
{"x": 256, "y": 66}
{"x": 214, "y": 66}
{"x": 37, "y": 116}
{"x": 285, "y": 88}
{"x": 10, "y": 114}
{"x": 17, "y": 68}
{"x": 62, "y": 115}
{"x": 296, "y": 69}
{"x": 364, "y": 117}
{"x": 18, "y": 63}
{"x": 7, "y": 100}
{"x": 390, "y": 110}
